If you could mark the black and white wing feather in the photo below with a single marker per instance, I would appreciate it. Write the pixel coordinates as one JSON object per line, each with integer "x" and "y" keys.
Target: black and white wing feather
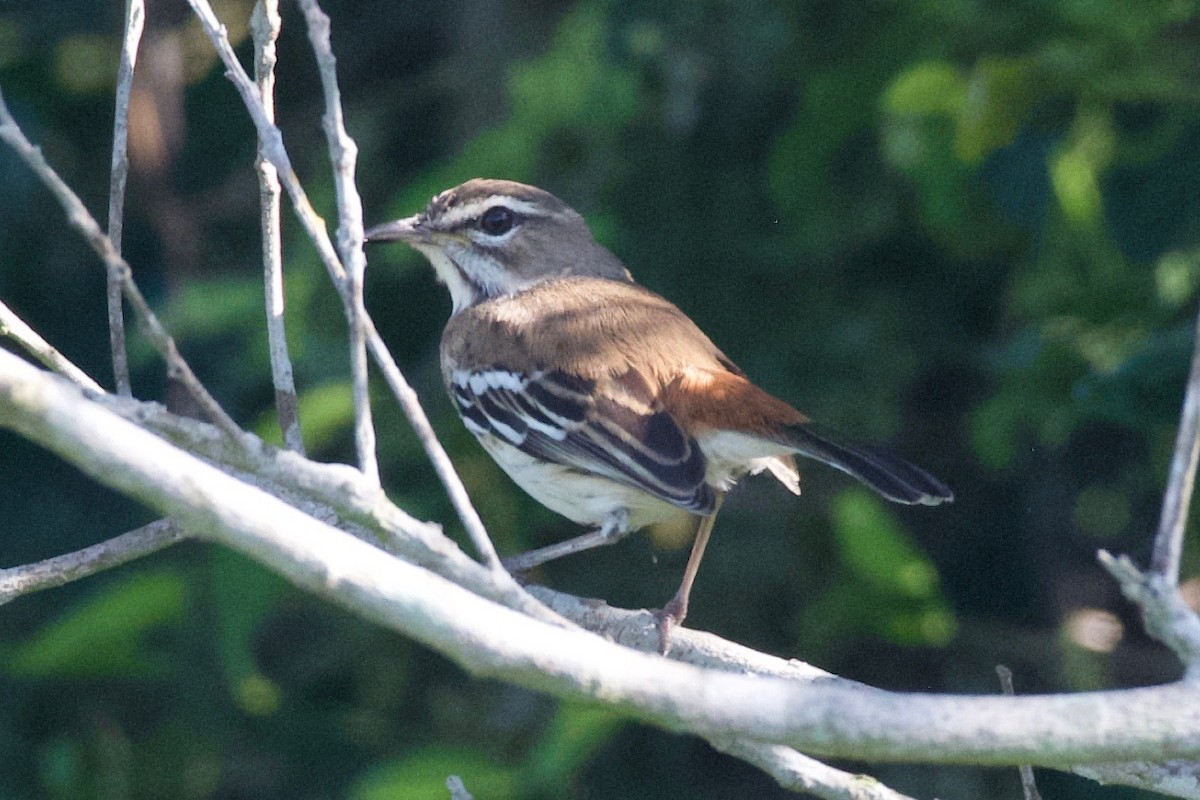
{"x": 559, "y": 417}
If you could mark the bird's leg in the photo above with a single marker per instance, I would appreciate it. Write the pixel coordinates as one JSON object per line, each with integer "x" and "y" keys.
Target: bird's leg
{"x": 614, "y": 528}
{"x": 675, "y": 610}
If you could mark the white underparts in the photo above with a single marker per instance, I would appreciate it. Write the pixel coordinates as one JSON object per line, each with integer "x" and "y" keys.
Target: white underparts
{"x": 731, "y": 455}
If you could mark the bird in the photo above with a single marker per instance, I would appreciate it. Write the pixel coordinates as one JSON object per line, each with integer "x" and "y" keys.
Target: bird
{"x": 601, "y": 399}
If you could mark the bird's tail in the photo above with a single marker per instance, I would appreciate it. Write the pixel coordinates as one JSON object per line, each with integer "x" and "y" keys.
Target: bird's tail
{"x": 894, "y": 478}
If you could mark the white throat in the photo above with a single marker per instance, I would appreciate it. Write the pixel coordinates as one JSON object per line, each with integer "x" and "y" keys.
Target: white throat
{"x": 471, "y": 276}
{"x": 462, "y": 292}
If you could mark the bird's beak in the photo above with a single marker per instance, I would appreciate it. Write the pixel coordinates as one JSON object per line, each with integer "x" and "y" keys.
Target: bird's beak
{"x": 410, "y": 229}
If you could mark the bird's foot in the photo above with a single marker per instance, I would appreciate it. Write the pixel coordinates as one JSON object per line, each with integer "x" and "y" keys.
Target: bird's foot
{"x": 667, "y": 619}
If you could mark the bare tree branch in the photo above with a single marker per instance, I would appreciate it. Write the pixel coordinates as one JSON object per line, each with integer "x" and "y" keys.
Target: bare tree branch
{"x": 82, "y": 221}
{"x": 1167, "y": 616}
{"x": 1028, "y": 782}
{"x": 488, "y": 639}
{"x": 271, "y": 142}
{"x": 265, "y": 24}
{"x": 636, "y": 630}
{"x": 135, "y": 19}
{"x": 343, "y": 155}
{"x": 60, "y": 570}
{"x": 795, "y": 771}
{"x": 16, "y": 329}
{"x": 437, "y": 454}
{"x": 356, "y": 505}
{"x": 790, "y": 705}
{"x": 1168, "y": 542}
{"x": 1175, "y": 778}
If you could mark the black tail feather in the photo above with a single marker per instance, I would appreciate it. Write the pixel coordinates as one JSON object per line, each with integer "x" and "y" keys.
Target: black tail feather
{"x": 894, "y": 478}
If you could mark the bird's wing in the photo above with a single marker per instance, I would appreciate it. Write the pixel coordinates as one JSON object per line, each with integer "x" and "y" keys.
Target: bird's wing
{"x": 569, "y": 420}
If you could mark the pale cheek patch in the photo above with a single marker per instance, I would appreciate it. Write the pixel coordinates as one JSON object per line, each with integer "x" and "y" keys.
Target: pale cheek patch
{"x": 487, "y": 273}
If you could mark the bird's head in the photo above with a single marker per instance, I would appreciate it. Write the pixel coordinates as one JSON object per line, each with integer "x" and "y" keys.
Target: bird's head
{"x": 491, "y": 238}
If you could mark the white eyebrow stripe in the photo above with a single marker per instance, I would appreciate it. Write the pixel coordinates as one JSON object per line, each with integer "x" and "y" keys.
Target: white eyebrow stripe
{"x": 475, "y": 208}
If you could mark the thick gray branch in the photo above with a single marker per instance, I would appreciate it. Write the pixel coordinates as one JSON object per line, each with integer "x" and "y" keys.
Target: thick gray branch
{"x": 795, "y": 771}
{"x": 1175, "y": 778}
{"x": 1160, "y": 722}
{"x": 352, "y": 499}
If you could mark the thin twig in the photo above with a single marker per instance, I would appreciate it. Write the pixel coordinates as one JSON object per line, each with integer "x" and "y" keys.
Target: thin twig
{"x": 265, "y": 23}
{"x": 15, "y": 328}
{"x": 458, "y": 790}
{"x": 343, "y": 154}
{"x": 60, "y": 570}
{"x": 1028, "y": 782}
{"x": 271, "y": 141}
{"x": 135, "y": 18}
{"x": 797, "y": 772}
{"x": 85, "y": 224}
{"x": 1168, "y": 542}
{"x": 441, "y": 462}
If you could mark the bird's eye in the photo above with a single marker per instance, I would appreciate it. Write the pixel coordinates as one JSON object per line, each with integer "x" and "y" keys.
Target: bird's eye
{"x": 497, "y": 221}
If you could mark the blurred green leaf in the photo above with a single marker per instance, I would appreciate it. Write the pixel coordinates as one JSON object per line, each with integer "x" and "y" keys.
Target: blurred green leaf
{"x": 930, "y": 87}
{"x": 572, "y": 739}
{"x": 998, "y": 95}
{"x": 993, "y": 430}
{"x": 86, "y": 62}
{"x": 104, "y": 635}
{"x": 877, "y": 550}
{"x": 326, "y": 412}
{"x": 10, "y": 43}
{"x": 573, "y": 87}
{"x": 60, "y": 765}
{"x": 1145, "y": 389}
{"x": 244, "y": 593}
{"x": 1076, "y": 169}
{"x": 216, "y": 306}
{"x": 1177, "y": 277}
{"x": 889, "y": 588}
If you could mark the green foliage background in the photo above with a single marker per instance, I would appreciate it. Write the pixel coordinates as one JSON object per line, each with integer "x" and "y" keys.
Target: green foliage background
{"x": 966, "y": 231}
